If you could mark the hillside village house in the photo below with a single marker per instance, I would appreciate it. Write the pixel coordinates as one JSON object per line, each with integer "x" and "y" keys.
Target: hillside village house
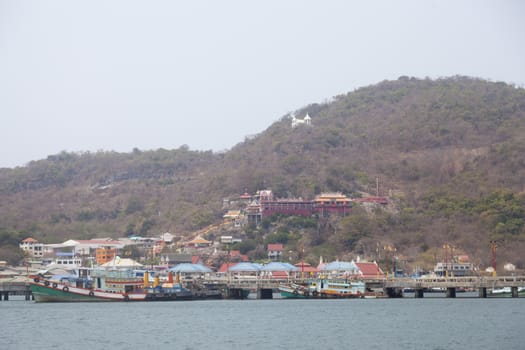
{"x": 233, "y": 217}
{"x": 32, "y": 247}
{"x": 198, "y": 242}
{"x": 99, "y": 250}
{"x": 275, "y": 251}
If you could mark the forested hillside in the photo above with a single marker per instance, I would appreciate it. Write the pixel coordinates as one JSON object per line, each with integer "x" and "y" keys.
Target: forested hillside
{"x": 449, "y": 153}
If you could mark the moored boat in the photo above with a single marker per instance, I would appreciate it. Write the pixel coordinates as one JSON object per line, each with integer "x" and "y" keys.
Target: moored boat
{"x": 324, "y": 288}
{"x": 506, "y": 292}
{"x": 106, "y": 285}
{"x": 113, "y": 285}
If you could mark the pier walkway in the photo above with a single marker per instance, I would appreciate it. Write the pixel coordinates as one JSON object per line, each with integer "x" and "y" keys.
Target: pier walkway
{"x": 394, "y": 287}
{"x": 390, "y": 287}
{"x": 14, "y": 288}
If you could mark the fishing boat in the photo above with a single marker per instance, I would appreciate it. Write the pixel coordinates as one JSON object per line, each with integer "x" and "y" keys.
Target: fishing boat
{"x": 106, "y": 285}
{"x": 169, "y": 292}
{"x": 324, "y": 288}
{"x": 506, "y": 292}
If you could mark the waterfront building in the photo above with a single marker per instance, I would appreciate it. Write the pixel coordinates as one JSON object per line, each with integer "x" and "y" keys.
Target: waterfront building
{"x": 306, "y": 270}
{"x": 339, "y": 269}
{"x": 32, "y": 247}
{"x": 104, "y": 254}
{"x": 369, "y": 270}
{"x": 453, "y": 268}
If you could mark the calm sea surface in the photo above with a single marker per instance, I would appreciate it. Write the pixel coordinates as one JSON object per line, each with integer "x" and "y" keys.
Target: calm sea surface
{"x": 428, "y": 323}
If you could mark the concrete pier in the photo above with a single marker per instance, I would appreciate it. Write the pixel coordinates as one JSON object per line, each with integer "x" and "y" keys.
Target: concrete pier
{"x": 418, "y": 293}
{"x": 451, "y": 284}
{"x": 264, "y": 293}
{"x": 483, "y": 292}
{"x": 393, "y": 292}
{"x": 236, "y": 293}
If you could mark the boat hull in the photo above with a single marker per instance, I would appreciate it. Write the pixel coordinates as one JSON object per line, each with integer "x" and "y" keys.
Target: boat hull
{"x": 288, "y": 295}
{"x": 64, "y": 293}
{"x": 315, "y": 290}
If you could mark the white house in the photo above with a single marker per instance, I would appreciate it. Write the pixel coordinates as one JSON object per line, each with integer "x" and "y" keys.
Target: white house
{"x": 32, "y": 247}
{"x": 307, "y": 120}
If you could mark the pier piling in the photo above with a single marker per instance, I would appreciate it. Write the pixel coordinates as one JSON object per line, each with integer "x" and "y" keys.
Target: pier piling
{"x": 418, "y": 293}
{"x": 393, "y": 292}
{"x": 264, "y": 293}
{"x": 483, "y": 292}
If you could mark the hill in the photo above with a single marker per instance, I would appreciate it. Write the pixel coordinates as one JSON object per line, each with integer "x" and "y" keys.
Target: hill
{"x": 448, "y": 152}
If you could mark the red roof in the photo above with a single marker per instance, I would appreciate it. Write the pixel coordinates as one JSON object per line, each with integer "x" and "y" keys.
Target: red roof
{"x": 30, "y": 240}
{"x": 279, "y": 274}
{"x": 275, "y": 247}
{"x": 199, "y": 240}
{"x": 306, "y": 267}
{"x": 195, "y": 259}
{"x": 369, "y": 270}
{"x": 237, "y": 253}
{"x": 224, "y": 267}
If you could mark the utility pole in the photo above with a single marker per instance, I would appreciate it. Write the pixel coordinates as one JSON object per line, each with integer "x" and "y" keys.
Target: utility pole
{"x": 391, "y": 249}
{"x": 446, "y": 246}
{"x": 493, "y": 248}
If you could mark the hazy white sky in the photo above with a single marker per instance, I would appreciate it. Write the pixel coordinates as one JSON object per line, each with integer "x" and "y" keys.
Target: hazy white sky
{"x": 114, "y": 75}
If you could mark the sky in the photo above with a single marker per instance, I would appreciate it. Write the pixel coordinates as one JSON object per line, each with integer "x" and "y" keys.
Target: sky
{"x": 105, "y": 75}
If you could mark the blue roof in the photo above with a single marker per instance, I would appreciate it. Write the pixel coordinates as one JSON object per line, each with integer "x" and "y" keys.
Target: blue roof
{"x": 245, "y": 267}
{"x": 340, "y": 266}
{"x": 64, "y": 254}
{"x": 279, "y": 266}
{"x": 190, "y": 268}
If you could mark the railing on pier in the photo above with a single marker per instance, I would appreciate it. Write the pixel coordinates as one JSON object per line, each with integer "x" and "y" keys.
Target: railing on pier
{"x": 14, "y": 288}
{"x": 456, "y": 282}
{"x": 473, "y": 282}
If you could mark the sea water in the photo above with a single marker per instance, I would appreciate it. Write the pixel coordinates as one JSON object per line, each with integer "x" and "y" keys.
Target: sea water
{"x": 428, "y": 323}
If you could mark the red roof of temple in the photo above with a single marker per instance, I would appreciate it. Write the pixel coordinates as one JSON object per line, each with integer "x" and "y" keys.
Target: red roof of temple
{"x": 370, "y": 270}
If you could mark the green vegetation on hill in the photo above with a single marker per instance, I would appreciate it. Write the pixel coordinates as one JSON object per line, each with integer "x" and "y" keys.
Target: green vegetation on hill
{"x": 449, "y": 153}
